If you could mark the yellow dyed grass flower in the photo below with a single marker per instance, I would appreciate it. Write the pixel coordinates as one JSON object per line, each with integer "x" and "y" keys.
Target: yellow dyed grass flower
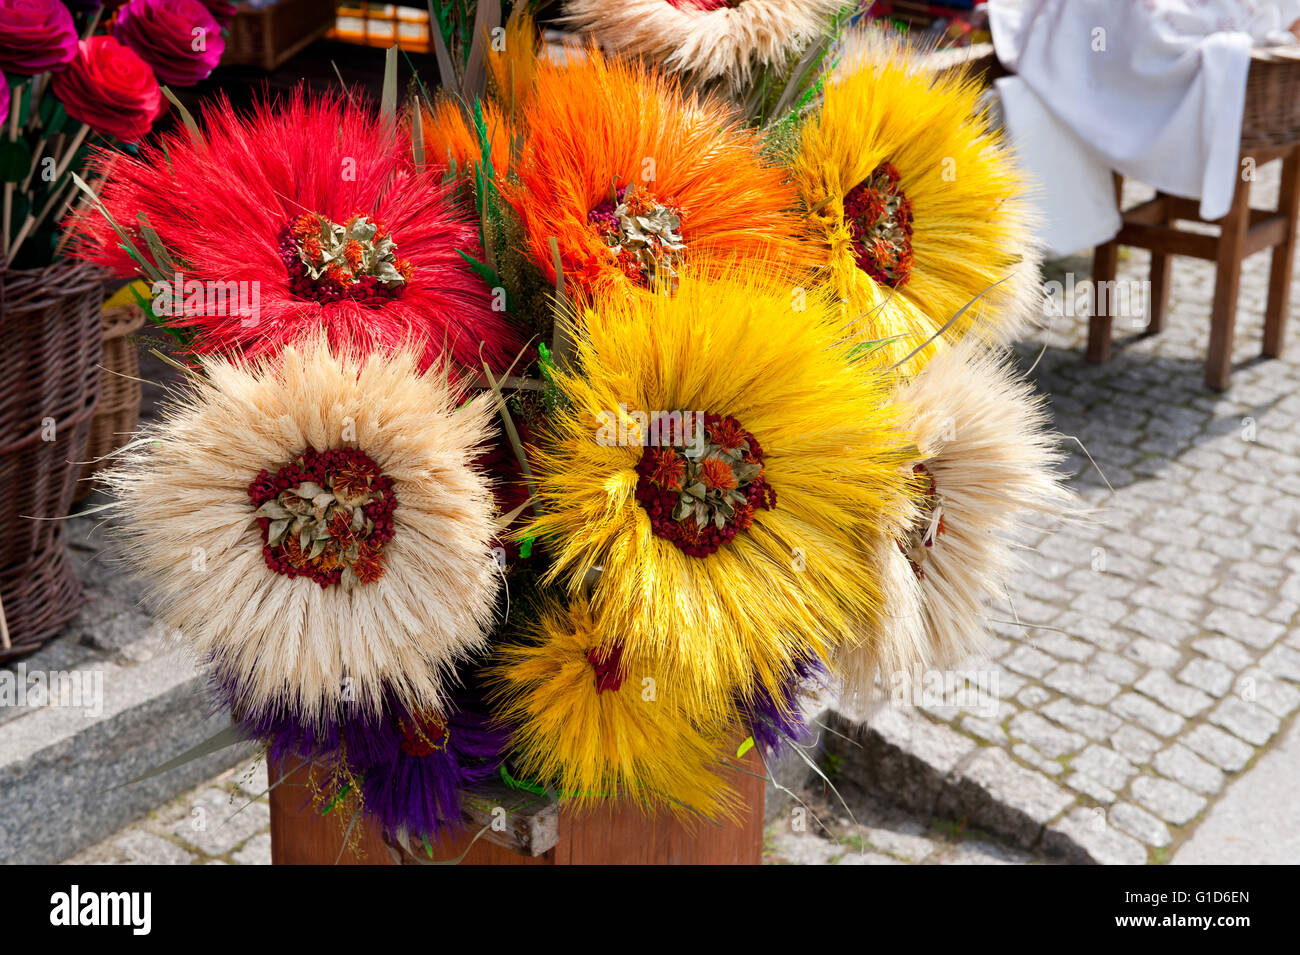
{"x": 605, "y": 727}
{"x": 917, "y": 202}
{"x": 716, "y": 466}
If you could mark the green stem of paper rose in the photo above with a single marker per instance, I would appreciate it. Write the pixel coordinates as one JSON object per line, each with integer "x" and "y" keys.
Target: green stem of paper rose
{"x": 57, "y": 195}
{"x": 87, "y": 33}
{"x": 40, "y": 82}
{"x": 7, "y": 213}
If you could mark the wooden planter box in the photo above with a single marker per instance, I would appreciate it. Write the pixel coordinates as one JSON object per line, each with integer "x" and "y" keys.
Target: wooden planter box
{"x": 535, "y": 832}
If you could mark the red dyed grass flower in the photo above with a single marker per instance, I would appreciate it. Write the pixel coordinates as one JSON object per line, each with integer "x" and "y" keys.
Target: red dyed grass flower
{"x": 225, "y": 208}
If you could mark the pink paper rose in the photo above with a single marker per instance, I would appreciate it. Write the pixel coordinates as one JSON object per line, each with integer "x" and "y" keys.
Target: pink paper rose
{"x": 180, "y": 39}
{"x": 35, "y": 36}
{"x": 110, "y": 89}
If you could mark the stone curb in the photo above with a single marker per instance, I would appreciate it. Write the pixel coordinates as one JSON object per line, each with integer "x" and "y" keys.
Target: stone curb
{"x": 61, "y": 766}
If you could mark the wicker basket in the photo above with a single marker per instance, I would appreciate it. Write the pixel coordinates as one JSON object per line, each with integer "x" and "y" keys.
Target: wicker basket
{"x": 269, "y": 36}
{"x": 50, "y": 334}
{"x": 1272, "y": 112}
{"x": 118, "y": 411}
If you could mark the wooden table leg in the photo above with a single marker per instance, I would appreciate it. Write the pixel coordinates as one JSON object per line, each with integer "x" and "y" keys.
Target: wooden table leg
{"x": 1105, "y": 264}
{"x": 1279, "y": 273}
{"x": 1161, "y": 267}
{"x": 1227, "y": 284}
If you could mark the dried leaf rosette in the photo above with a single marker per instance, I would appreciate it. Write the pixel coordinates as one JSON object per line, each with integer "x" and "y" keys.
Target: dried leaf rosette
{"x": 599, "y": 724}
{"x": 305, "y": 217}
{"x": 315, "y": 530}
{"x": 988, "y": 462}
{"x": 706, "y": 40}
{"x": 717, "y": 462}
{"x": 631, "y": 178}
{"x": 918, "y": 204}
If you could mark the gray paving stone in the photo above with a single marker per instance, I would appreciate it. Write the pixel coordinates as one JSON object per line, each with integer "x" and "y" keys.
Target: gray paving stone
{"x": 1166, "y": 604}
{"x": 1097, "y": 632}
{"x": 1183, "y": 766}
{"x": 1208, "y": 675}
{"x": 998, "y": 794}
{"x": 1062, "y": 647}
{"x": 1092, "y": 722}
{"x": 256, "y": 851}
{"x": 1050, "y": 740}
{"x": 1282, "y": 661}
{"x": 1102, "y": 842}
{"x": 1250, "y": 721}
{"x": 1249, "y": 600}
{"x": 213, "y": 826}
{"x": 1032, "y": 696}
{"x": 1105, "y": 765}
{"x": 1073, "y": 679}
{"x": 1255, "y": 631}
{"x": 978, "y": 852}
{"x": 1148, "y": 713}
{"x": 1083, "y": 783}
{"x": 1226, "y": 651}
{"x": 1095, "y": 606}
{"x": 1140, "y": 823}
{"x": 1160, "y": 626}
{"x": 1223, "y": 750}
{"x": 1135, "y": 744}
{"x": 1028, "y": 662}
{"x": 1114, "y": 668}
{"x": 986, "y": 730}
{"x": 1036, "y": 759}
{"x": 1277, "y": 697}
{"x": 866, "y": 858}
{"x": 1151, "y": 653}
{"x": 135, "y": 847}
{"x": 1179, "y": 697}
{"x": 1167, "y": 799}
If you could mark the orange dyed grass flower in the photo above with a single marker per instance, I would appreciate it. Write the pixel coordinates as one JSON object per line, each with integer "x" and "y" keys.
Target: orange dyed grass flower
{"x": 631, "y": 178}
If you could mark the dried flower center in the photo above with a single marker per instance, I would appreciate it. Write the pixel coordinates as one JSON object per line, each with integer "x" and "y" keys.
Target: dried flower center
{"x": 326, "y": 515}
{"x": 643, "y": 234}
{"x": 927, "y": 529}
{"x": 700, "y": 500}
{"x": 424, "y": 734}
{"x": 329, "y": 262}
{"x": 880, "y": 221}
{"x": 609, "y": 668}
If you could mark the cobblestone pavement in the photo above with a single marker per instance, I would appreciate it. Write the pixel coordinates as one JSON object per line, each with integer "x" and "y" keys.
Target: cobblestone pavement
{"x": 1156, "y": 653}
{"x": 819, "y": 830}
{"x": 226, "y": 821}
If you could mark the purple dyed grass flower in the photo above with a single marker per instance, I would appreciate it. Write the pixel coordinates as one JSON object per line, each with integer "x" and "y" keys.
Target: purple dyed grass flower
{"x": 774, "y": 722}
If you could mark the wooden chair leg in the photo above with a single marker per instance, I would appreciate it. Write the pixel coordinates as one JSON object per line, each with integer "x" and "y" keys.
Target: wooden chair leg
{"x": 1279, "y": 274}
{"x": 1105, "y": 264}
{"x": 1161, "y": 267}
{"x": 1227, "y": 283}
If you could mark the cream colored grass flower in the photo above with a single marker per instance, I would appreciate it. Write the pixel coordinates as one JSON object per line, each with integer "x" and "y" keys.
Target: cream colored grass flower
{"x": 706, "y": 40}
{"x": 990, "y": 462}
{"x": 315, "y": 529}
